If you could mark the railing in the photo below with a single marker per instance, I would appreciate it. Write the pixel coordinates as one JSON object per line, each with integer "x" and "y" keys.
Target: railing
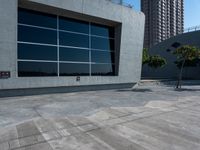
{"x": 120, "y": 2}
{"x": 191, "y": 29}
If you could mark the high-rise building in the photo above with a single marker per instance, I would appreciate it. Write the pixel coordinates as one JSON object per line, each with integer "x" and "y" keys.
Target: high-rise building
{"x": 164, "y": 19}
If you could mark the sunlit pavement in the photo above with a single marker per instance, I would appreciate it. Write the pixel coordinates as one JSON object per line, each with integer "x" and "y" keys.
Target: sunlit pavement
{"x": 146, "y": 118}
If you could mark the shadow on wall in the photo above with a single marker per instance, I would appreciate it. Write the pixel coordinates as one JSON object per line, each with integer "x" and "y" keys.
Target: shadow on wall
{"x": 165, "y": 49}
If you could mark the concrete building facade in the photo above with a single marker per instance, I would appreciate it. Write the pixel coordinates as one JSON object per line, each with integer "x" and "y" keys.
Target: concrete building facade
{"x": 164, "y": 19}
{"x": 69, "y": 43}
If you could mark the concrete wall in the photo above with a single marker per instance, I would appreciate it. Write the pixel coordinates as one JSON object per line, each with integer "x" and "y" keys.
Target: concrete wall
{"x": 170, "y": 71}
{"x": 132, "y": 31}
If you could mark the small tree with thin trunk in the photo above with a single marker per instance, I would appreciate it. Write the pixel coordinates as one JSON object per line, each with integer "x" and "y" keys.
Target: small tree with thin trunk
{"x": 185, "y": 54}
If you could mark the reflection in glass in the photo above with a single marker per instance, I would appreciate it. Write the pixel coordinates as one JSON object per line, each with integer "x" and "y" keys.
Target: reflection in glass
{"x": 102, "y": 56}
{"x": 36, "y": 69}
{"x": 102, "y": 43}
{"x": 73, "y": 25}
{"x": 37, "y": 18}
{"x": 76, "y": 40}
{"x": 71, "y": 41}
{"x": 102, "y": 69}
{"x": 37, "y": 52}
{"x": 102, "y": 30}
{"x": 74, "y": 69}
{"x": 36, "y": 35}
{"x": 73, "y": 54}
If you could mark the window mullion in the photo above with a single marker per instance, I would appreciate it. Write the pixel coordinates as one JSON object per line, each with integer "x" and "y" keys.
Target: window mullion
{"x": 58, "y": 49}
{"x": 90, "y": 55}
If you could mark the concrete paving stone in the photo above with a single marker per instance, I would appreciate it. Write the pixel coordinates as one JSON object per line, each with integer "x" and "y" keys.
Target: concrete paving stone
{"x": 63, "y": 132}
{"x": 129, "y": 118}
{"x": 166, "y": 127}
{"x": 44, "y": 125}
{"x": 14, "y": 144}
{"x": 78, "y": 142}
{"x": 88, "y": 127}
{"x": 4, "y": 146}
{"x": 124, "y": 110}
{"x": 74, "y": 130}
{"x": 135, "y": 136}
{"x": 190, "y": 112}
{"x": 21, "y": 148}
{"x": 40, "y": 138}
{"x": 115, "y": 112}
{"x": 101, "y": 142}
{"x": 78, "y": 120}
{"x": 183, "y": 118}
{"x": 165, "y": 106}
{"x": 101, "y": 115}
{"x": 7, "y": 134}
{"x": 130, "y": 110}
{"x": 150, "y": 121}
{"x": 141, "y": 115}
{"x": 51, "y": 135}
{"x": 179, "y": 123}
{"x": 31, "y": 140}
{"x": 195, "y": 108}
{"x": 110, "y": 122}
{"x": 27, "y": 129}
{"x": 62, "y": 123}
{"x": 186, "y": 104}
{"x": 40, "y": 146}
{"x": 175, "y": 141}
{"x": 115, "y": 141}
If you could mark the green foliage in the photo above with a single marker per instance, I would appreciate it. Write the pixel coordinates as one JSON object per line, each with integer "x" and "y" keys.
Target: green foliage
{"x": 186, "y": 56}
{"x": 153, "y": 61}
{"x": 156, "y": 61}
{"x": 145, "y": 57}
{"x": 187, "y": 52}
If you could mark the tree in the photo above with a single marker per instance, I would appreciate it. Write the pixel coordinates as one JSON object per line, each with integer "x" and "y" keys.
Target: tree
{"x": 155, "y": 61}
{"x": 145, "y": 56}
{"x": 185, "y": 55}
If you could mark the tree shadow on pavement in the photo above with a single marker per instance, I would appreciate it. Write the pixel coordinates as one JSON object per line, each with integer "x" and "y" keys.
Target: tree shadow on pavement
{"x": 186, "y": 89}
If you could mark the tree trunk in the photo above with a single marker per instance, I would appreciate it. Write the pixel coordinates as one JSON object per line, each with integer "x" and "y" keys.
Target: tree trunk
{"x": 180, "y": 75}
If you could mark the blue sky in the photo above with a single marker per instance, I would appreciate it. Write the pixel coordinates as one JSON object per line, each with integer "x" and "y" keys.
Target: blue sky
{"x": 192, "y": 11}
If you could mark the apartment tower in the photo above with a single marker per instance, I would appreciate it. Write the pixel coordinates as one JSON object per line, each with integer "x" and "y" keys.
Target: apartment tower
{"x": 164, "y": 19}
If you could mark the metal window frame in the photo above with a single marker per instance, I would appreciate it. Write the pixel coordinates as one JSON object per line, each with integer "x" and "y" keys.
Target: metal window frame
{"x": 90, "y": 49}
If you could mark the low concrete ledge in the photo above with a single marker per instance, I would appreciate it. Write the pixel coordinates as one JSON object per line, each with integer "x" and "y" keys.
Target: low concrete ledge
{"x": 69, "y": 89}
{"x": 168, "y": 82}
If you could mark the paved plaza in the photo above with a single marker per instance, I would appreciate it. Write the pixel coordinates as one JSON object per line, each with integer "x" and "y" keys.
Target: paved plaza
{"x": 149, "y": 117}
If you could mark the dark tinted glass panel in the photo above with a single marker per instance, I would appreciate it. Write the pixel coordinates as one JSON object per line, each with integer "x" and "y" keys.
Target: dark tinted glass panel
{"x": 73, "y": 69}
{"x": 36, "y": 35}
{"x": 102, "y": 30}
{"x": 76, "y": 40}
{"x": 102, "y": 57}
{"x": 73, "y": 25}
{"x": 102, "y": 43}
{"x": 37, "y": 18}
{"x": 103, "y": 69}
{"x": 37, "y": 52}
{"x": 72, "y": 54}
{"x": 34, "y": 69}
